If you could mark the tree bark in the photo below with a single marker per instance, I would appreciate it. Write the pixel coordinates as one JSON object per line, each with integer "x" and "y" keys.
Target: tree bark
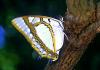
{"x": 81, "y": 24}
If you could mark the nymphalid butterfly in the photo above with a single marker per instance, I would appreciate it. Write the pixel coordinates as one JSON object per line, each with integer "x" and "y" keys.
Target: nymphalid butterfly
{"x": 45, "y": 34}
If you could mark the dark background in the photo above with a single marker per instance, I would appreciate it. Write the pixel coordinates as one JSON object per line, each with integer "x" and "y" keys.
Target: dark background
{"x": 17, "y": 54}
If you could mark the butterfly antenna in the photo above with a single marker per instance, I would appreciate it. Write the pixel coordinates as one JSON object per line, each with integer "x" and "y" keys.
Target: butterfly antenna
{"x": 61, "y": 19}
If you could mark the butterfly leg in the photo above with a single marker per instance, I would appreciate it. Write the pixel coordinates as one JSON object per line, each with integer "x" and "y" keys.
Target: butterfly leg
{"x": 66, "y": 36}
{"x": 50, "y": 61}
{"x": 39, "y": 58}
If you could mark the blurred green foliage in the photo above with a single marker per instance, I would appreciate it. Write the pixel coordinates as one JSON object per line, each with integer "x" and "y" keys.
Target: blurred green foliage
{"x": 8, "y": 60}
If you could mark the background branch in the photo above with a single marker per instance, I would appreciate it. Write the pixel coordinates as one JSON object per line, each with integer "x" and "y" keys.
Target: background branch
{"x": 81, "y": 24}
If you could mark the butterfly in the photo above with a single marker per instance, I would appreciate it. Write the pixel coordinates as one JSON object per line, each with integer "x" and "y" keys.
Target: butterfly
{"x": 45, "y": 34}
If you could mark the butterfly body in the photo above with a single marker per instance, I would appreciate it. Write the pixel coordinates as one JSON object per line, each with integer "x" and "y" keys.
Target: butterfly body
{"x": 45, "y": 34}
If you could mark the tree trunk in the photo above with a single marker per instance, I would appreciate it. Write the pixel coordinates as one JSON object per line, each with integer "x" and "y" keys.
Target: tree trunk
{"x": 81, "y": 22}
